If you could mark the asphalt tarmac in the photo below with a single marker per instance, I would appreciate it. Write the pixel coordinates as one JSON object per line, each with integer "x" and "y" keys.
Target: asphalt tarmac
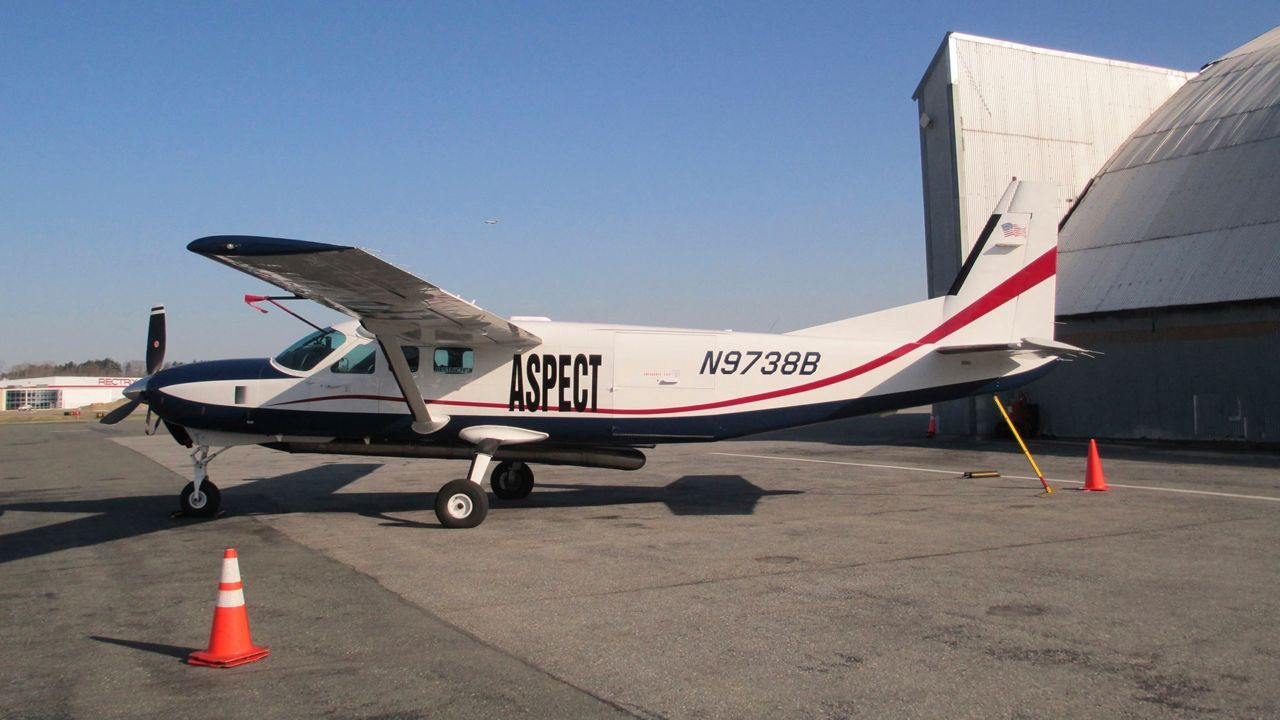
{"x": 804, "y": 576}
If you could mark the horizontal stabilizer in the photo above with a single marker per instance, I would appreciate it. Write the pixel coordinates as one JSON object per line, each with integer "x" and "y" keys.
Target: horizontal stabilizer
{"x": 1040, "y": 346}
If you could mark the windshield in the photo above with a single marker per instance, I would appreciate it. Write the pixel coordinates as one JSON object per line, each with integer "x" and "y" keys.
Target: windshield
{"x": 310, "y": 350}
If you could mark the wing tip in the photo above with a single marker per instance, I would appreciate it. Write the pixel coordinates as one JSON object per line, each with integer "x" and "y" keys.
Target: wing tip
{"x": 249, "y": 245}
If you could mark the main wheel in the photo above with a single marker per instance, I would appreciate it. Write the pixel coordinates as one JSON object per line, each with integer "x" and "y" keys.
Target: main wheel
{"x": 202, "y": 504}
{"x": 512, "y": 481}
{"x": 461, "y": 504}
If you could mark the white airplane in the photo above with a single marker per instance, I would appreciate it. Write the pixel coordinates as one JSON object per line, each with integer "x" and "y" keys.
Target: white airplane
{"x": 419, "y": 372}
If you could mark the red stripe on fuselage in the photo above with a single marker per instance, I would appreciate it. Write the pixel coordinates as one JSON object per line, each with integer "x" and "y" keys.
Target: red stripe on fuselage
{"x": 1032, "y": 274}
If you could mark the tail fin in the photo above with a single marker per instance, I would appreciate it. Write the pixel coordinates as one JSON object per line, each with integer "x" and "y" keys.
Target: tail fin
{"x": 1005, "y": 290}
{"x": 1003, "y": 295}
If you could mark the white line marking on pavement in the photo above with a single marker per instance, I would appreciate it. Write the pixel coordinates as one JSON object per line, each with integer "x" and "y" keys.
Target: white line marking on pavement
{"x": 1014, "y": 477}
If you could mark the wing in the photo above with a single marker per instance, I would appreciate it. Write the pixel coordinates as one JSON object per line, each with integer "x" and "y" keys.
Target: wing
{"x": 356, "y": 283}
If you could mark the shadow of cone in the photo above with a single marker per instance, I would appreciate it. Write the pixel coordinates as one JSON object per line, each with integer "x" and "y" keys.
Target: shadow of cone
{"x": 229, "y": 643}
{"x": 1093, "y": 478}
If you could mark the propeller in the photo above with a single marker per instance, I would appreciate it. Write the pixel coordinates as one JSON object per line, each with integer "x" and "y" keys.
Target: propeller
{"x": 155, "y": 358}
{"x": 155, "y": 340}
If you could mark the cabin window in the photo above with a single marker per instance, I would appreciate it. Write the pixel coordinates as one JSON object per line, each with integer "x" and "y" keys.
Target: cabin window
{"x": 359, "y": 361}
{"x": 411, "y": 356}
{"x": 310, "y": 350}
{"x": 454, "y": 361}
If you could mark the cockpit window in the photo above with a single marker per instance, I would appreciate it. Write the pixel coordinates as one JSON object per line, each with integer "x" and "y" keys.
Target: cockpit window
{"x": 310, "y": 350}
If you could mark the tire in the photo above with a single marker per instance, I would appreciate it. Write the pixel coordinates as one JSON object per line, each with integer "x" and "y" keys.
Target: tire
{"x": 461, "y": 504}
{"x": 510, "y": 482}
{"x": 206, "y": 504}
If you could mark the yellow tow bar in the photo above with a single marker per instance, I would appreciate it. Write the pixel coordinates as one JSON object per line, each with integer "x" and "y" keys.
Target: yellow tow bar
{"x": 1000, "y": 406}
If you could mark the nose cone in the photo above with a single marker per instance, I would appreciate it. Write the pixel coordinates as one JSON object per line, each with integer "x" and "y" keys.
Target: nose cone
{"x": 134, "y": 391}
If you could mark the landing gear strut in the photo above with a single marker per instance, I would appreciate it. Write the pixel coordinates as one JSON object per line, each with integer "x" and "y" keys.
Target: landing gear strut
{"x": 463, "y": 503}
{"x": 200, "y": 497}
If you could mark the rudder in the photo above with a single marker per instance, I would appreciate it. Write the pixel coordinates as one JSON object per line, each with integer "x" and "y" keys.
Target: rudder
{"x": 1009, "y": 277}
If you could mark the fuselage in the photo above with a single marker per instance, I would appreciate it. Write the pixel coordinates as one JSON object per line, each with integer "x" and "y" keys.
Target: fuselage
{"x": 585, "y": 383}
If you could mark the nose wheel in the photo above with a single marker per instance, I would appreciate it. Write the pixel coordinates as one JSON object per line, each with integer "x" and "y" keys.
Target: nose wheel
{"x": 204, "y": 502}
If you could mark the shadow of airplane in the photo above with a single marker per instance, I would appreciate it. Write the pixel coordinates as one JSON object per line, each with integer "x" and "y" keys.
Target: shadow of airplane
{"x": 316, "y": 490}
{"x": 689, "y": 495}
{"x": 132, "y": 516}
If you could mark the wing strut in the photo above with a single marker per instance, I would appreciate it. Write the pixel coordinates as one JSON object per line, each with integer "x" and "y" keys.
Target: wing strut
{"x": 423, "y": 422}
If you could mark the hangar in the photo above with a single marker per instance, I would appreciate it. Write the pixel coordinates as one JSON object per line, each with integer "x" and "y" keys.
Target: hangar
{"x": 1169, "y": 254}
{"x": 46, "y": 393}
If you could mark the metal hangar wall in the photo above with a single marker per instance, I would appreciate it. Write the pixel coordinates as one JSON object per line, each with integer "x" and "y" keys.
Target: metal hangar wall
{"x": 991, "y": 110}
{"x": 1170, "y": 265}
{"x": 1169, "y": 262}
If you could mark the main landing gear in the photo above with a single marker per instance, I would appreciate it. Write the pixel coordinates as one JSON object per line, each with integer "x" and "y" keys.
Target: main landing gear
{"x": 464, "y": 504}
{"x": 511, "y": 480}
{"x": 200, "y": 497}
{"x": 461, "y": 504}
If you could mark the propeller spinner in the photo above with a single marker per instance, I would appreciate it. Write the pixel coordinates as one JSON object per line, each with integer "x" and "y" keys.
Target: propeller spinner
{"x": 155, "y": 358}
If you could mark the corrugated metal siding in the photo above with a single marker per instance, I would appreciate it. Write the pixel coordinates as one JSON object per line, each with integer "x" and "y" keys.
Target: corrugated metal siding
{"x": 1033, "y": 113}
{"x": 1188, "y": 210}
{"x": 1001, "y": 110}
{"x": 1202, "y": 373}
{"x": 937, "y": 164}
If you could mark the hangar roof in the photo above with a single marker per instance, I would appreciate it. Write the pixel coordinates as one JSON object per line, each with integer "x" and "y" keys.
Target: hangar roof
{"x": 1187, "y": 211}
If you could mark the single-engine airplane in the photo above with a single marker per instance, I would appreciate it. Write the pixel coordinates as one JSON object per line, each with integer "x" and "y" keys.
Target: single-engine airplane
{"x": 419, "y": 372}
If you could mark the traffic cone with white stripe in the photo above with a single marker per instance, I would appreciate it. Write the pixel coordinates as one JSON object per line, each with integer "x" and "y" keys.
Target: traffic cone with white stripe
{"x": 229, "y": 643}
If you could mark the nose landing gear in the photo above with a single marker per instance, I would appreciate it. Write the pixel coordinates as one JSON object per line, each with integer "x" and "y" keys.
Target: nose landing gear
{"x": 200, "y": 497}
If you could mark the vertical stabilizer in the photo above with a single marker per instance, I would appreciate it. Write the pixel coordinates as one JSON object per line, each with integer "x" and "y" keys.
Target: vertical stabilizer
{"x": 1003, "y": 294}
{"x": 1007, "y": 282}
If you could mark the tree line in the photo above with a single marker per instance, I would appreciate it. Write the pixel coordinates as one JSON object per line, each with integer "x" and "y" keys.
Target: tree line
{"x": 106, "y": 367}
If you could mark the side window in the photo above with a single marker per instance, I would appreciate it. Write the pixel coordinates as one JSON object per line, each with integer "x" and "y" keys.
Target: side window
{"x": 359, "y": 361}
{"x": 454, "y": 361}
{"x": 411, "y": 356}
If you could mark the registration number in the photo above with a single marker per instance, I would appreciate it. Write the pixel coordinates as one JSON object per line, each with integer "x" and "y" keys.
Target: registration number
{"x": 737, "y": 362}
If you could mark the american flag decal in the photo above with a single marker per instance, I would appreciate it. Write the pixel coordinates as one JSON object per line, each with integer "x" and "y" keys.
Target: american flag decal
{"x": 1013, "y": 230}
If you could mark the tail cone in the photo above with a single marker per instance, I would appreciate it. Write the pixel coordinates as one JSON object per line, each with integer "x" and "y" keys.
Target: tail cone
{"x": 229, "y": 642}
{"x": 1093, "y": 479}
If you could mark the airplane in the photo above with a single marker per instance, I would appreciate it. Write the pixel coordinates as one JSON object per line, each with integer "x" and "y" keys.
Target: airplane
{"x": 419, "y": 372}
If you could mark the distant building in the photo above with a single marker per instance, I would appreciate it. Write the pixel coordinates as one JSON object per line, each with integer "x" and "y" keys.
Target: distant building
{"x": 61, "y": 392}
{"x": 1169, "y": 259}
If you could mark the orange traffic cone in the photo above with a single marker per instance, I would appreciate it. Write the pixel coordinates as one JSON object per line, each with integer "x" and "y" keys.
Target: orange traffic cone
{"x": 1093, "y": 479}
{"x": 229, "y": 643}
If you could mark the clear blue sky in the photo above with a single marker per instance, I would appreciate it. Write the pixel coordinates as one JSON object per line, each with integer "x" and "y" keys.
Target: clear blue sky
{"x": 726, "y": 165}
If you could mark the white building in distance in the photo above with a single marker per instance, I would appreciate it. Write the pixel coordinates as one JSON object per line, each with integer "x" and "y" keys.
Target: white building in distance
{"x": 61, "y": 392}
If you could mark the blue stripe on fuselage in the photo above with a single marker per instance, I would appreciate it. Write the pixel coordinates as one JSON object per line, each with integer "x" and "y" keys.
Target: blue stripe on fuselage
{"x": 597, "y": 429}
{"x": 243, "y": 369}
